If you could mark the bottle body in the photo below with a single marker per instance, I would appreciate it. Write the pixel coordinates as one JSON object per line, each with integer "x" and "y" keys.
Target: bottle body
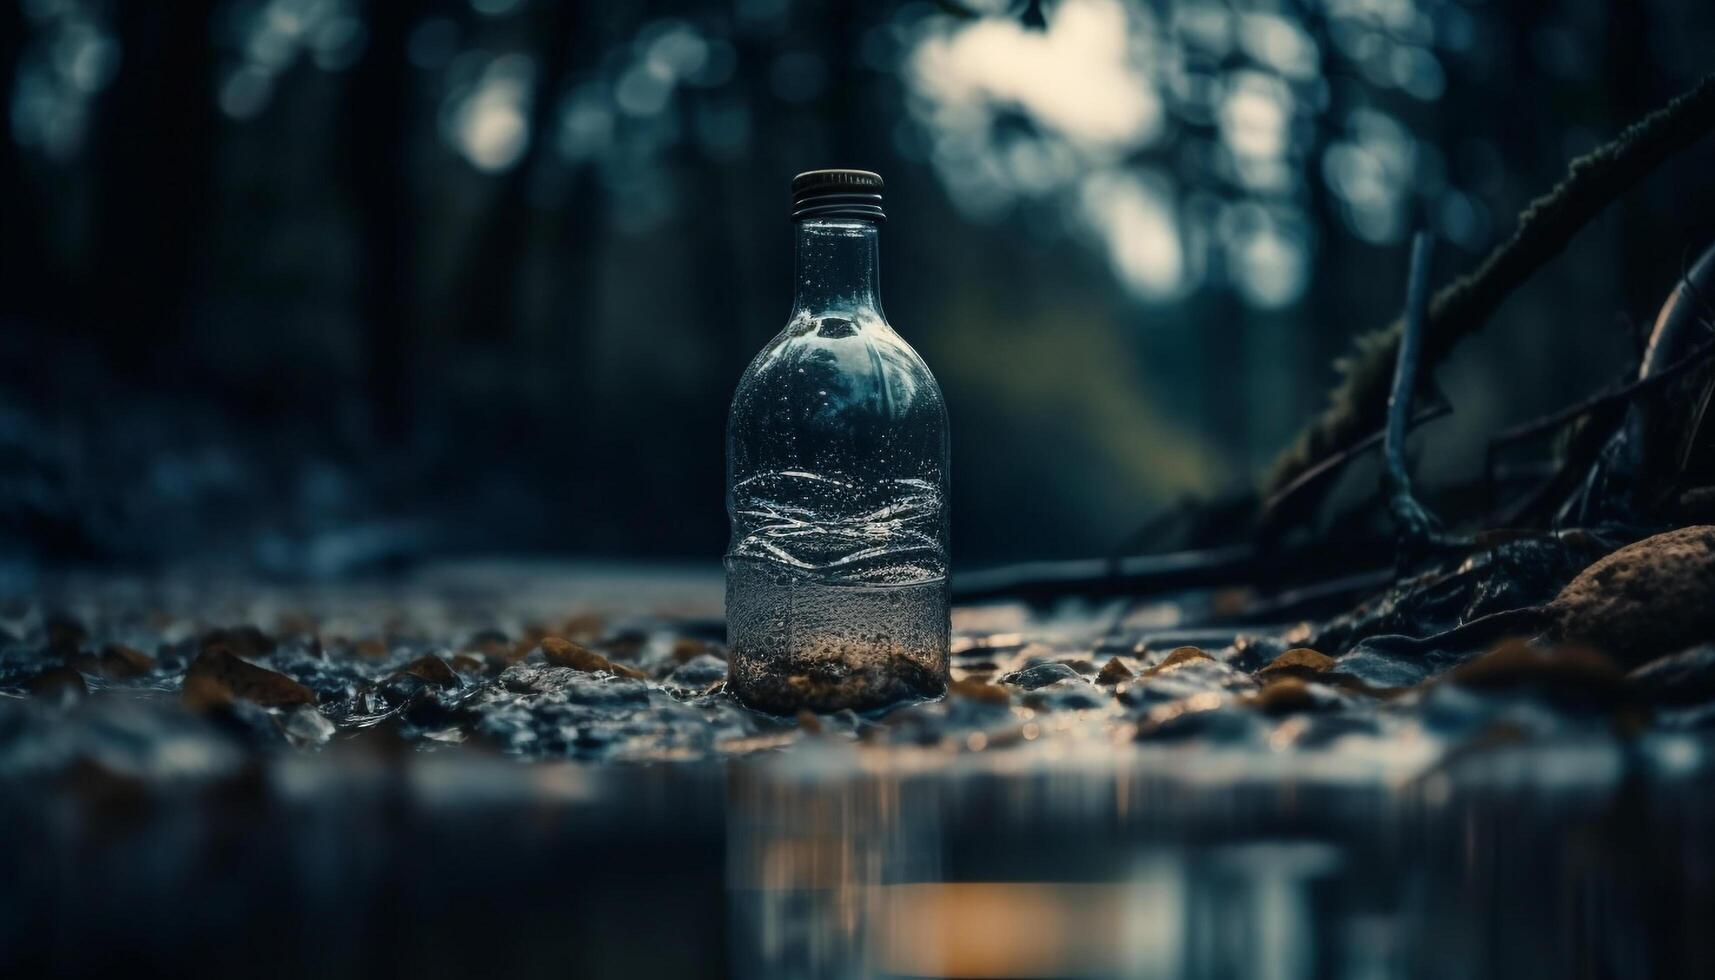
{"x": 836, "y": 490}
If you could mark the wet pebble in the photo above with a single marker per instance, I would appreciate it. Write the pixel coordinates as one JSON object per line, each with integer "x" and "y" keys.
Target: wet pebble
{"x": 1114, "y": 672}
{"x": 1041, "y": 675}
{"x": 1290, "y": 695}
{"x": 698, "y": 674}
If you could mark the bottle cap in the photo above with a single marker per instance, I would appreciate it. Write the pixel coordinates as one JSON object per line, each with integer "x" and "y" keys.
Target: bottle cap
{"x": 837, "y": 194}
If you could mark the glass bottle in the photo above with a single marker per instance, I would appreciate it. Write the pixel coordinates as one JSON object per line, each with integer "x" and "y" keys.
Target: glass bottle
{"x": 836, "y": 574}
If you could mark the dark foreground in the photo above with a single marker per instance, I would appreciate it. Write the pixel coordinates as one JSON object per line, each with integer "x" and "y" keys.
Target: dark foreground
{"x": 209, "y": 777}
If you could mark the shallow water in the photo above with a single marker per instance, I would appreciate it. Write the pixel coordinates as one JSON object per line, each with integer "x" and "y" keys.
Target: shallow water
{"x": 1169, "y": 825}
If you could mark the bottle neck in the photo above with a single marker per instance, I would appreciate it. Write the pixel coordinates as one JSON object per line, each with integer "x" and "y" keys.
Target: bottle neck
{"x": 837, "y": 268}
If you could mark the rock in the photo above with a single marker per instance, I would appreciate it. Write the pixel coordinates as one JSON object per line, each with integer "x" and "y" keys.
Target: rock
{"x": 1178, "y": 658}
{"x": 1114, "y": 672}
{"x": 699, "y": 673}
{"x": 564, "y": 653}
{"x": 120, "y": 661}
{"x": 808, "y": 723}
{"x": 1686, "y": 677}
{"x": 431, "y": 669}
{"x": 1565, "y": 672}
{"x": 1299, "y": 661}
{"x": 1041, "y": 675}
{"x": 1650, "y": 598}
{"x": 1290, "y": 695}
{"x": 981, "y": 692}
{"x": 217, "y": 676}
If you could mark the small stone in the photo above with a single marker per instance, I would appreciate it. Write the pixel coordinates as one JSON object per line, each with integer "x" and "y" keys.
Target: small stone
{"x": 432, "y": 669}
{"x": 1179, "y": 657}
{"x": 217, "y": 672}
{"x": 1290, "y": 695}
{"x": 981, "y": 692}
{"x": 1650, "y": 598}
{"x": 120, "y": 661}
{"x": 1298, "y": 660}
{"x": 1566, "y": 670}
{"x": 1041, "y": 675}
{"x": 564, "y": 653}
{"x": 808, "y": 723}
{"x": 1114, "y": 672}
{"x": 699, "y": 673}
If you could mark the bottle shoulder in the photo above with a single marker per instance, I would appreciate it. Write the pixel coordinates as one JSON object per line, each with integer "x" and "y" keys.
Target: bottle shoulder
{"x": 853, "y": 363}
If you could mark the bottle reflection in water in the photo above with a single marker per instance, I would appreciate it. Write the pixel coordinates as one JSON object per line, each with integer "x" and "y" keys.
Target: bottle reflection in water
{"x": 837, "y": 484}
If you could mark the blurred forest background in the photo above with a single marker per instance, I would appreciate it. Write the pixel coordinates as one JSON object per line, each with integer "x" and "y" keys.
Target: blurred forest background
{"x": 320, "y": 286}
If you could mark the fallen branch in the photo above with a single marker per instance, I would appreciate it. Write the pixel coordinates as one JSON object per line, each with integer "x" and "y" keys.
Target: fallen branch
{"x": 1414, "y": 523}
{"x": 1544, "y": 228}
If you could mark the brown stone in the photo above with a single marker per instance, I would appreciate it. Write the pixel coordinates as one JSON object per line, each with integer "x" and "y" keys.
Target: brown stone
{"x": 217, "y": 672}
{"x": 433, "y": 670}
{"x": 1179, "y": 657}
{"x": 1650, "y": 598}
{"x": 808, "y": 723}
{"x": 1565, "y": 669}
{"x": 1114, "y": 672}
{"x": 562, "y": 652}
{"x": 1291, "y": 695}
{"x": 1298, "y": 660}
